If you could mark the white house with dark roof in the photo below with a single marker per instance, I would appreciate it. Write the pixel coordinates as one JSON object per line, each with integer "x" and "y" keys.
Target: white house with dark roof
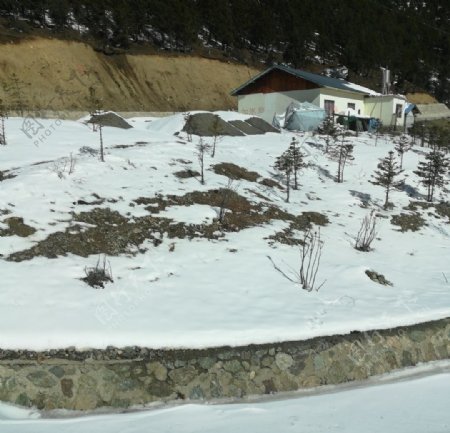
{"x": 274, "y": 89}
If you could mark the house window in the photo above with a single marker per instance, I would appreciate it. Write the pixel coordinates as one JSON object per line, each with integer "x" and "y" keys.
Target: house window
{"x": 398, "y": 110}
{"x": 351, "y": 106}
{"x": 329, "y": 107}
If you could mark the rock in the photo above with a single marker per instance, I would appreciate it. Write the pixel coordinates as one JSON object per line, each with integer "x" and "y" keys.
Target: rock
{"x": 23, "y": 400}
{"x": 196, "y": 393}
{"x": 67, "y": 387}
{"x": 319, "y": 362}
{"x": 42, "y": 379}
{"x": 206, "y": 363}
{"x": 158, "y": 370}
{"x": 378, "y": 278}
{"x": 57, "y": 371}
{"x": 418, "y": 336}
{"x": 233, "y": 366}
{"x": 109, "y": 119}
{"x": 182, "y": 376}
{"x": 284, "y": 361}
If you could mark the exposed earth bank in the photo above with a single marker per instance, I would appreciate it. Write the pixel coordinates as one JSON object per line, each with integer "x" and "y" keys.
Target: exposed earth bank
{"x": 56, "y": 74}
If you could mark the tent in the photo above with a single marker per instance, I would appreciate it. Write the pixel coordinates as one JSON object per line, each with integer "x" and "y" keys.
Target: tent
{"x": 300, "y": 116}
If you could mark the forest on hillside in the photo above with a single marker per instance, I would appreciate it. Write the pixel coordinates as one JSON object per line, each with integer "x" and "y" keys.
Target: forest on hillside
{"x": 411, "y": 37}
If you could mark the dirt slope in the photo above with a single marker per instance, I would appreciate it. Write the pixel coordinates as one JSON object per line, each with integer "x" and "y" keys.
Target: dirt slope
{"x": 55, "y": 74}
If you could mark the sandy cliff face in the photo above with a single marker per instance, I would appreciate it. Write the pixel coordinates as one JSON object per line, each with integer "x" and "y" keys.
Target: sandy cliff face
{"x": 55, "y": 74}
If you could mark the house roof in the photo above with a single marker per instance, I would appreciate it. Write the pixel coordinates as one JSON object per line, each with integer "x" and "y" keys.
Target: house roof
{"x": 432, "y": 111}
{"x": 320, "y": 80}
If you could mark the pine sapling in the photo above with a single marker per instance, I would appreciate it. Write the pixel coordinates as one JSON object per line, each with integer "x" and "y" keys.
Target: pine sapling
{"x": 433, "y": 172}
{"x": 342, "y": 152}
{"x": 95, "y": 111}
{"x": 284, "y": 164}
{"x": 330, "y": 130}
{"x": 202, "y": 149}
{"x": 402, "y": 145}
{"x": 296, "y": 156}
{"x": 386, "y": 175}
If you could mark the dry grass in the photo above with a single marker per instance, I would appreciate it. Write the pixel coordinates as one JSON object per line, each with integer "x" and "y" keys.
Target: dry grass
{"x": 420, "y": 98}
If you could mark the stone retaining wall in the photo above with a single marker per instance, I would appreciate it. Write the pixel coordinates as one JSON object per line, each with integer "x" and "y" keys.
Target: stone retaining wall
{"x": 123, "y": 377}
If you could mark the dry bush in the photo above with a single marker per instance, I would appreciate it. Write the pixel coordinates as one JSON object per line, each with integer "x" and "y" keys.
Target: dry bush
{"x": 367, "y": 232}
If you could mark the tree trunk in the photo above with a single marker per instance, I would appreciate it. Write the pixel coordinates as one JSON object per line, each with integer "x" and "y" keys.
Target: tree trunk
{"x": 102, "y": 156}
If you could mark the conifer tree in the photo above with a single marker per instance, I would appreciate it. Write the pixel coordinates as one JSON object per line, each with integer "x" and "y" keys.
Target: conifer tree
{"x": 432, "y": 172}
{"x": 284, "y": 164}
{"x": 342, "y": 152}
{"x": 330, "y": 130}
{"x": 95, "y": 111}
{"x": 296, "y": 156}
{"x": 386, "y": 175}
{"x": 202, "y": 149}
{"x": 402, "y": 145}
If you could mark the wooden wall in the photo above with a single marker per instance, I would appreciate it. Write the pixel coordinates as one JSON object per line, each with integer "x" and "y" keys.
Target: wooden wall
{"x": 277, "y": 81}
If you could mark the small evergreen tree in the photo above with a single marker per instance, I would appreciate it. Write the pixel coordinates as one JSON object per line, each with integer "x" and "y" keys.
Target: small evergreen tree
{"x": 386, "y": 175}
{"x": 284, "y": 164}
{"x": 95, "y": 104}
{"x": 402, "y": 145}
{"x": 342, "y": 152}
{"x": 296, "y": 156}
{"x": 330, "y": 130}
{"x": 202, "y": 148}
{"x": 216, "y": 129}
{"x": 432, "y": 172}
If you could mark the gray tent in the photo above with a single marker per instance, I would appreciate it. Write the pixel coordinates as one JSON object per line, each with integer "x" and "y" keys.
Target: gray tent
{"x": 301, "y": 116}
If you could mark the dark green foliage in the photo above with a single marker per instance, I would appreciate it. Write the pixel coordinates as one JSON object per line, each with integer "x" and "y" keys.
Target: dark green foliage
{"x": 342, "y": 152}
{"x": 284, "y": 164}
{"x": 386, "y": 175}
{"x": 402, "y": 145}
{"x": 433, "y": 172}
{"x": 289, "y": 163}
{"x": 330, "y": 130}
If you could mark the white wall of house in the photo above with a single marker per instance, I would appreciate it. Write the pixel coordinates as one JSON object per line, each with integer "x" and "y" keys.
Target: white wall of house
{"x": 266, "y": 105}
{"x": 341, "y": 100}
{"x": 383, "y": 107}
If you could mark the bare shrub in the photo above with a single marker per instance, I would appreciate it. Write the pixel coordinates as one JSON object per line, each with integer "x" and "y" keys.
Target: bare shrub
{"x": 64, "y": 166}
{"x": 310, "y": 255}
{"x": 367, "y": 232}
{"x": 225, "y": 195}
{"x": 99, "y": 274}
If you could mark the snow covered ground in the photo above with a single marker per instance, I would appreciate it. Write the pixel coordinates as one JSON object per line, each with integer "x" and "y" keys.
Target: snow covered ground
{"x": 200, "y": 292}
{"x": 414, "y": 401}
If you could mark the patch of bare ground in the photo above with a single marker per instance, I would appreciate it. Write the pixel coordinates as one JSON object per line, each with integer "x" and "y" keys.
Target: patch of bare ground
{"x": 235, "y": 172}
{"x": 300, "y": 222}
{"x": 108, "y": 232}
{"x": 408, "y": 221}
{"x": 442, "y": 210}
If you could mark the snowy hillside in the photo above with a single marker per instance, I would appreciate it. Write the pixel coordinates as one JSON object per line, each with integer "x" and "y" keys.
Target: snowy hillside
{"x": 180, "y": 278}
